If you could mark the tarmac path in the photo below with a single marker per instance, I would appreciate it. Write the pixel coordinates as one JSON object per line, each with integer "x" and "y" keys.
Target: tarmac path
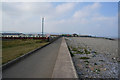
{"x": 38, "y": 65}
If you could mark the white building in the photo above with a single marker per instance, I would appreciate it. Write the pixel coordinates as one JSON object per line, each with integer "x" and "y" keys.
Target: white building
{"x": 12, "y": 34}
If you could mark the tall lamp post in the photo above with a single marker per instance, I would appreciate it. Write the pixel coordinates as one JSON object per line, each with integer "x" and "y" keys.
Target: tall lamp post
{"x": 42, "y": 27}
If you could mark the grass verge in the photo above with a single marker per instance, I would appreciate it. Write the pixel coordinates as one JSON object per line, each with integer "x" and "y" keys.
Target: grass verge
{"x": 12, "y": 49}
{"x": 84, "y": 58}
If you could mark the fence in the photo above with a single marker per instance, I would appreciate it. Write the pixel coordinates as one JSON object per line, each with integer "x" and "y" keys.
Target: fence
{"x": 50, "y": 39}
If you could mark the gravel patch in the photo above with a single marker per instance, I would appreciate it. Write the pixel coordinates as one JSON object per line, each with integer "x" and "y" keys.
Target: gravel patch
{"x": 94, "y": 57}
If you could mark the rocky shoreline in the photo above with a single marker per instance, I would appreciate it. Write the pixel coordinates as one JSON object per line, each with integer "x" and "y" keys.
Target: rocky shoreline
{"x": 94, "y": 58}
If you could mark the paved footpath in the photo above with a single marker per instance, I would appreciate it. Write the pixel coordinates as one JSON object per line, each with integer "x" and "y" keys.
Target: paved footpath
{"x": 38, "y": 65}
{"x": 64, "y": 67}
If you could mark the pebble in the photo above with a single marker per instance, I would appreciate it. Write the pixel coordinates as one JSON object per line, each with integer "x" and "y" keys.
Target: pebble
{"x": 114, "y": 58}
{"x": 93, "y": 52}
{"x": 105, "y": 69}
{"x": 80, "y": 73}
{"x": 104, "y": 62}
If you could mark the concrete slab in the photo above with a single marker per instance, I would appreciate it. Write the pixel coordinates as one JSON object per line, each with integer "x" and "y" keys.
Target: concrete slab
{"x": 64, "y": 67}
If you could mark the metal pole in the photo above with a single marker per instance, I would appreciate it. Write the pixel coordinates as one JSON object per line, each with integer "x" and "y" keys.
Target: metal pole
{"x": 42, "y": 27}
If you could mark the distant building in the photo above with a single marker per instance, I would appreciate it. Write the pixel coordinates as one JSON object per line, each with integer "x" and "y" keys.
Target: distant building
{"x": 20, "y": 35}
{"x": 12, "y": 34}
{"x": 75, "y": 35}
{"x": 85, "y": 36}
{"x": 66, "y": 35}
{"x": 54, "y": 35}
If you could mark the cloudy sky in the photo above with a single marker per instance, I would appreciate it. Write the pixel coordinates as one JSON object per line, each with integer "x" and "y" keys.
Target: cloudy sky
{"x": 99, "y": 19}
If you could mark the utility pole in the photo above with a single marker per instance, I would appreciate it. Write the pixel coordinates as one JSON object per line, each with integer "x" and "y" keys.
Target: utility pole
{"x": 42, "y": 27}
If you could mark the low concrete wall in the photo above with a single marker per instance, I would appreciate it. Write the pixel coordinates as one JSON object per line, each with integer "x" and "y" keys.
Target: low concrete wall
{"x": 64, "y": 67}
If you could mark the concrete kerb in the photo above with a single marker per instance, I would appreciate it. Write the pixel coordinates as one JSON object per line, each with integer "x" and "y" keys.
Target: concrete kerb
{"x": 10, "y": 63}
{"x": 64, "y": 67}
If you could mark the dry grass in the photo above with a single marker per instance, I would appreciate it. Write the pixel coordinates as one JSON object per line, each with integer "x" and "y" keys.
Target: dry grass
{"x": 14, "y": 48}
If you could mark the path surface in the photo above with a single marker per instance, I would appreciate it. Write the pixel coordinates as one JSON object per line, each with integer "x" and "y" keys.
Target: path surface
{"x": 64, "y": 67}
{"x": 38, "y": 65}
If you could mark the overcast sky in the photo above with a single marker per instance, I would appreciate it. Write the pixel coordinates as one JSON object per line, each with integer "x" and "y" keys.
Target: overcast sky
{"x": 99, "y": 19}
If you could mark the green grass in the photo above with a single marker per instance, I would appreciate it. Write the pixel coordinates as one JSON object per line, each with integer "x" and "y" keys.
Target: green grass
{"x": 74, "y": 49}
{"x": 97, "y": 71}
{"x": 86, "y": 51}
{"x": 95, "y": 63}
{"x": 84, "y": 58}
{"x": 95, "y": 52}
{"x": 102, "y": 60}
{"x": 86, "y": 61}
{"x": 79, "y": 52}
{"x": 12, "y": 49}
